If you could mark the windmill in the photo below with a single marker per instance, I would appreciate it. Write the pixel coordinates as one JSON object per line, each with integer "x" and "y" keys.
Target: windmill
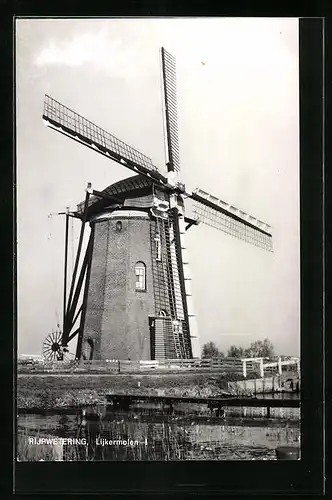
{"x": 133, "y": 285}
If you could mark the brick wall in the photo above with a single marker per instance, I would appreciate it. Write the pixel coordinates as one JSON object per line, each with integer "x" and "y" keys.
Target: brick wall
{"x": 117, "y": 314}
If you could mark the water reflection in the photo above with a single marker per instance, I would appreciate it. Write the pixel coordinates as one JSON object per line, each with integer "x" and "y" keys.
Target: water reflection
{"x": 104, "y": 434}
{"x": 278, "y": 395}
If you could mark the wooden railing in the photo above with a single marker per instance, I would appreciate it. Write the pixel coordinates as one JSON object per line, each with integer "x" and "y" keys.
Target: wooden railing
{"x": 127, "y": 366}
{"x": 265, "y": 365}
{"x": 243, "y": 366}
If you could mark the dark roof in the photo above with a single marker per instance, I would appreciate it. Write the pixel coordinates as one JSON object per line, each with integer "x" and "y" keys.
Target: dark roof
{"x": 129, "y": 184}
{"x": 117, "y": 191}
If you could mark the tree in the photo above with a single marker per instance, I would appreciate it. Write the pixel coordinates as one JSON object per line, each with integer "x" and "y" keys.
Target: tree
{"x": 210, "y": 350}
{"x": 235, "y": 352}
{"x": 258, "y": 349}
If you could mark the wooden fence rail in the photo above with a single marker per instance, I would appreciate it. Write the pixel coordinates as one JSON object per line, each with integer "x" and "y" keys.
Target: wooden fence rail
{"x": 235, "y": 365}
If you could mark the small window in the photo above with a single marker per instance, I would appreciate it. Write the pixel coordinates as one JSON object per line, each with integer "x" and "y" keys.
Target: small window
{"x": 118, "y": 226}
{"x": 162, "y": 313}
{"x": 158, "y": 247}
{"x": 140, "y": 273}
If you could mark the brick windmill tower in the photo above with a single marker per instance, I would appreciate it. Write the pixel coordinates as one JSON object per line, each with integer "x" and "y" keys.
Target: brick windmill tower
{"x": 135, "y": 277}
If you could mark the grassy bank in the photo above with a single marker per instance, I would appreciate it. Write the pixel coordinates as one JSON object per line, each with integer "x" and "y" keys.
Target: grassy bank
{"x": 62, "y": 390}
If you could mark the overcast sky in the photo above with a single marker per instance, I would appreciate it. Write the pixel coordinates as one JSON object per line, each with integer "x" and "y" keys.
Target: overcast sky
{"x": 239, "y": 140}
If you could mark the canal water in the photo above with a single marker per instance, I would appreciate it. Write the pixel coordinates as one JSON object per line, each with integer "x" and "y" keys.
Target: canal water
{"x": 106, "y": 434}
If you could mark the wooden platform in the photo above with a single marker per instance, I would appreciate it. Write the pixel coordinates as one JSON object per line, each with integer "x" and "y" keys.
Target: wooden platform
{"x": 124, "y": 401}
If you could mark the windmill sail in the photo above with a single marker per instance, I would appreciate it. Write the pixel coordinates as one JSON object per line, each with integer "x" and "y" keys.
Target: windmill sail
{"x": 216, "y": 213}
{"x": 171, "y": 118}
{"x": 86, "y": 132}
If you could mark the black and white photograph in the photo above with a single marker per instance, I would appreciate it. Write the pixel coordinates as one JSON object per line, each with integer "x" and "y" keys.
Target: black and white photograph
{"x": 158, "y": 239}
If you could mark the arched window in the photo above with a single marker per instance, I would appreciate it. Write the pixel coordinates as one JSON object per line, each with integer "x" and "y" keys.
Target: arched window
{"x": 163, "y": 313}
{"x": 140, "y": 273}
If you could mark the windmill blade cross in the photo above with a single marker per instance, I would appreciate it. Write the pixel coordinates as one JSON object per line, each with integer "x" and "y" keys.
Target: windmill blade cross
{"x": 77, "y": 127}
{"x": 216, "y": 213}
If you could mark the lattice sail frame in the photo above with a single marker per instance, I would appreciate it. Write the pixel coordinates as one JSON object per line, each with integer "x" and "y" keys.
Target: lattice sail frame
{"x": 90, "y": 134}
{"x": 216, "y": 213}
{"x": 171, "y": 113}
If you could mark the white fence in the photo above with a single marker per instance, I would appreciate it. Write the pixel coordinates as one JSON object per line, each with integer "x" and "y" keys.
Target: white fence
{"x": 267, "y": 365}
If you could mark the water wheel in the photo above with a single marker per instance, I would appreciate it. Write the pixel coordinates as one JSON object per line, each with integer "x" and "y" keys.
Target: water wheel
{"x": 53, "y": 349}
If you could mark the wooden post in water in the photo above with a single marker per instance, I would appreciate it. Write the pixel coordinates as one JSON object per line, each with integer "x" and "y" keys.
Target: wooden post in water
{"x": 244, "y": 368}
{"x": 268, "y": 411}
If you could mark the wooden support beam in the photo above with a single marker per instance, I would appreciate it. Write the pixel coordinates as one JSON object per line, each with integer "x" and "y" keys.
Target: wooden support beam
{"x": 75, "y": 215}
{"x": 190, "y": 222}
{"x": 100, "y": 194}
{"x": 70, "y": 337}
{"x": 70, "y": 314}
{"x": 65, "y": 273}
{"x": 84, "y": 219}
{"x": 85, "y": 295}
{"x": 77, "y": 314}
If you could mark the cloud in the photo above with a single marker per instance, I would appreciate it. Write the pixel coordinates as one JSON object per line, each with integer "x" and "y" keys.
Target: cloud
{"x": 117, "y": 47}
{"x": 80, "y": 50}
{"x": 93, "y": 50}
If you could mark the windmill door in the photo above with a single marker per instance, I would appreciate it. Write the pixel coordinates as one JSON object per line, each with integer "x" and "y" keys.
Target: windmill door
{"x": 161, "y": 338}
{"x": 87, "y": 349}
